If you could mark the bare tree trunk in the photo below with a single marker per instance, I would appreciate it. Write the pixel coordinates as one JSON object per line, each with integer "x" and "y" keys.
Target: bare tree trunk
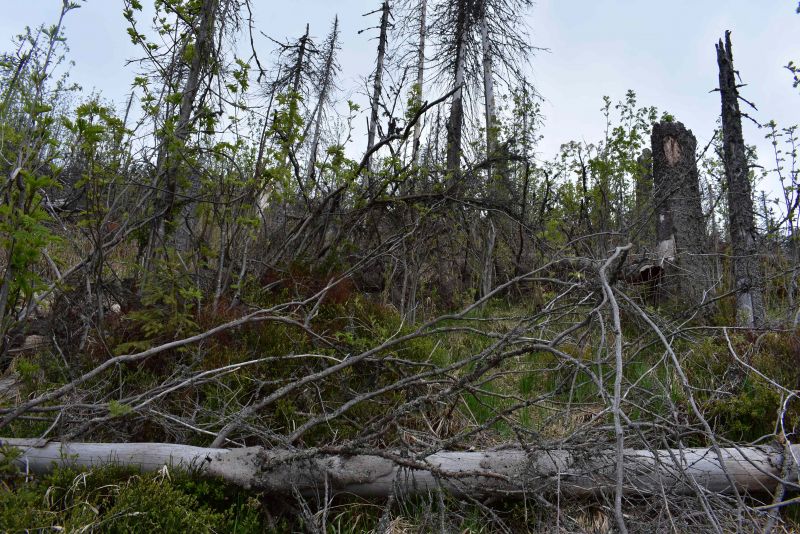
{"x": 681, "y": 224}
{"x": 298, "y": 68}
{"x": 748, "y": 281}
{"x": 644, "y": 198}
{"x": 523, "y": 210}
{"x": 503, "y": 472}
{"x": 794, "y": 309}
{"x": 297, "y": 78}
{"x": 488, "y": 259}
{"x": 324, "y": 91}
{"x": 491, "y": 148}
{"x": 456, "y": 121}
{"x": 717, "y": 271}
{"x": 488, "y": 90}
{"x": 377, "y": 86}
{"x": 423, "y": 11}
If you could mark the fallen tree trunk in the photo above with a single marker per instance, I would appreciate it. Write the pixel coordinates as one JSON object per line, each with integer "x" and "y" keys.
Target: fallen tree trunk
{"x": 509, "y": 472}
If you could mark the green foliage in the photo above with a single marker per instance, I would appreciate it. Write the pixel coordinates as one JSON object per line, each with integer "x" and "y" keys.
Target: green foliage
{"x": 27, "y": 370}
{"x": 8, "y": 457}
{"x": 739, "y": 402}
{"x": 596, "y": 191}
{"x": 117, "y": 409}
{"x": 170, "y": 300}
{"x": 117, "y": 500}
{"x": 29, "y": 154}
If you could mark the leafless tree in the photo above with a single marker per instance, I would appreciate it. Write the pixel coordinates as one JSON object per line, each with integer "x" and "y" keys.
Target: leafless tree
{"x": 747, "y": 276}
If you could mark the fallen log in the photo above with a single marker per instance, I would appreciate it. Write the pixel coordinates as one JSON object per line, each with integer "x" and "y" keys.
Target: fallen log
{"x": 502, "y": 472}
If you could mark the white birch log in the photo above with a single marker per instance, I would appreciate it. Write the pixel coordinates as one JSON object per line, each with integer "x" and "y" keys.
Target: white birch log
{"x": 505, "y": 472}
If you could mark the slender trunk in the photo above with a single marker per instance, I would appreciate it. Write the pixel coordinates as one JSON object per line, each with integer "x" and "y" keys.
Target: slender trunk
{"x": 200, "y": 59}
{"x": 423, "y": 11}
{"x": 717, "y": 273}
{"x": 523, "y": 217}
{"x": 491, "y": 147}
{"x": 456, "y": 121}
{"x": 748, "y": 281}
{"x": 488, "y": 90}
{"x": 298, "y": 68}
{"x": 488, "y": 259}
{"x": 297, "y": 78}
{"x": 377, "y": 86}
{"x": 523, "y": 212}
{"x": 223, "y": 242}
{"x": 324, "y": 91}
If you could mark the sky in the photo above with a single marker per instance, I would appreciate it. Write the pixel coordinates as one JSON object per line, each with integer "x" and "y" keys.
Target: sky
{"x": 662, "y": 50}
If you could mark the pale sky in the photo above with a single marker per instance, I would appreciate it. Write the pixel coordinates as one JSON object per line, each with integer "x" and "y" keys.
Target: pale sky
{"x": 662, "y": 50}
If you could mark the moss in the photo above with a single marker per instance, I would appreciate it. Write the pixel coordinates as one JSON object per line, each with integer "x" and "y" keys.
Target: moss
{"x": 119, "y": 501}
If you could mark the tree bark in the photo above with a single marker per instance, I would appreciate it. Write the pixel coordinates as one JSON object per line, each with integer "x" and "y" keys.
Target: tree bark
{"x": 506, "y": 472}
{"x": 423, "y": 11}
{"x": 488, "y": 90}
{"x": 377, "y": 86}
{"x": 298, "y": 68}
{"x": 681, "y": 232}
{"x": 201, "y": 59}
{"x": 456, "y": 121}
{"x": 750, "y": 310}
{"x": 488, "y": 258}
{"x": 326, "y": 81}
{"x": 644, "y": 198}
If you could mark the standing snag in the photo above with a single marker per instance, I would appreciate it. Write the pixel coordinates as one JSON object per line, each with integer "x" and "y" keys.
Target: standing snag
{"x": 746, "y": 271}
{"x": 377, "y": 85}
{"x": 680, "y": 226}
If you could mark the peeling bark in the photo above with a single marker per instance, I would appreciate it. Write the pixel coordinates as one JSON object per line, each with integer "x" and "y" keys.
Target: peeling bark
{"x": 504, "y": 472}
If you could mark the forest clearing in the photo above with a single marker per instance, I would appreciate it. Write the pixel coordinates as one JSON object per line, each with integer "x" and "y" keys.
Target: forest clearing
{"x": 249, "y": 299}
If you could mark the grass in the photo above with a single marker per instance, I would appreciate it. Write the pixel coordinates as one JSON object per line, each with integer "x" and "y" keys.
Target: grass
{"x": 116, "y": 501}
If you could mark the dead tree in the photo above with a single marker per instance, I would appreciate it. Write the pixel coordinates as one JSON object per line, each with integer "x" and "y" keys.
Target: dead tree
{"x": 423, "y": 11}
{"x": 326, "y": 80}
{"x": 644, "y": 197}
{"x": 747, "y": 276}
{"x": 502, "y": 473}
{"x": 377, "y": 83}
{"x": 680, "y": 224}
{"x": 488, "y": 86}
{"x": 455, "y": 122}
{"x": 490, "y": 106}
